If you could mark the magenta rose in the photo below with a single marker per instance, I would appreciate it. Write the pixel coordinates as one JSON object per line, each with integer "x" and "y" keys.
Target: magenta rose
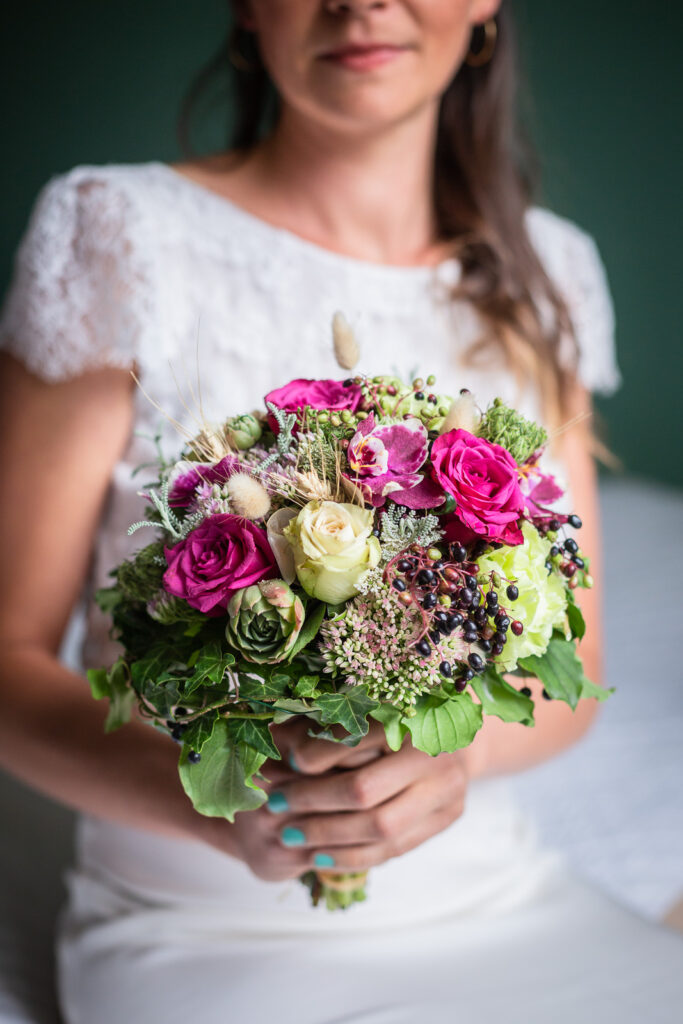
{"x": 484, "y": 480}
{"x": 318, "y": 394}
{"x": 189, "y": 476}
{"x": 222, "y": 555}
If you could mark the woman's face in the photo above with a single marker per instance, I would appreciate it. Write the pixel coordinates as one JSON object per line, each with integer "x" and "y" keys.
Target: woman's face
{"x": 363, "y": 63}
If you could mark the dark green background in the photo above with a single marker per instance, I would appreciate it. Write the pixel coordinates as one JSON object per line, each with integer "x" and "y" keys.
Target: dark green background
{"x": 101, "y": 82}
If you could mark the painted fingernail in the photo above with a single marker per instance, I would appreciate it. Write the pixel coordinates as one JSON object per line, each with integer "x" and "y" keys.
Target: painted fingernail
{"x": 292, "y": 762}
{"x": 323, "y": 860}
{"x": 277, "y": 802}
{"x": 292, "y": 836}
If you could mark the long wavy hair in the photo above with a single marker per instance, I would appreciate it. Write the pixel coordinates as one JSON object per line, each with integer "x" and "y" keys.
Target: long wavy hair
{"x": 485, "y": 174}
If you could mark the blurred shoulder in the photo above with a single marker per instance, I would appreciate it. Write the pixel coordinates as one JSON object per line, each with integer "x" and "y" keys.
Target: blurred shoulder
{"x": 561, "y": 244}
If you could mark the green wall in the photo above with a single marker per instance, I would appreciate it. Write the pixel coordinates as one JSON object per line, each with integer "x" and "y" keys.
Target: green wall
{"x": 100, "y": 82}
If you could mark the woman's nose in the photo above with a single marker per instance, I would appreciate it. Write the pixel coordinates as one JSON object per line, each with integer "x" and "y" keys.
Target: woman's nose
{"x": 354, "y": 6}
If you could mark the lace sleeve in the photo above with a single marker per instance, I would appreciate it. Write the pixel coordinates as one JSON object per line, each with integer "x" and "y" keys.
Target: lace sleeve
{"x": 79, "y": 295}
{"x": 572, "y": 259}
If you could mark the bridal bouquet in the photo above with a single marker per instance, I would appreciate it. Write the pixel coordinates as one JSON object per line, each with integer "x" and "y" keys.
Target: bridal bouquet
{"x": 364, "y": 548}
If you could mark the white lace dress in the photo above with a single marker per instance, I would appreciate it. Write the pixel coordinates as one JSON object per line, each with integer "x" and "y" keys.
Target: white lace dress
{"x": 135, "y": 265}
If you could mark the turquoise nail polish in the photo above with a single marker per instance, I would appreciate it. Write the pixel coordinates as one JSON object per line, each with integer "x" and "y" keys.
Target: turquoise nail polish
{"x": 292, "y": 837}
{"x": 323, "y": 860}
{"x": 292, "y": 762}
{"x": 277, "y": 802}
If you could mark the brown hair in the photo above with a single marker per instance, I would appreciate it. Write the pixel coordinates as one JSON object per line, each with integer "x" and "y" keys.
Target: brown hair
{"x": 484, "y": 177}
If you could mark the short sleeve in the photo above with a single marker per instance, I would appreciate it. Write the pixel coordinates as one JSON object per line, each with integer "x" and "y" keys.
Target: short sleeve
{"x": 80, "y": 292}
{"x": 572, "y": 260}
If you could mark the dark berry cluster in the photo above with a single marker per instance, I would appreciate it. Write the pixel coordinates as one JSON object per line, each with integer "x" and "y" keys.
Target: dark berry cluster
{"x": 565, "y": 554}
{"x": 178, "y": 730}
{"x": 443, "y": 585}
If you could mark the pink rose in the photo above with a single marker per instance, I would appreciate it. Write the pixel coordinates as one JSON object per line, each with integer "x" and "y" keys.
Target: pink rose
{"x": 384, "y": 460}
{"x": 483, "y": 479}
{"x": 318, "y": 394}
{"x": 189, "y": 476}
{"x": 222, "y": 555}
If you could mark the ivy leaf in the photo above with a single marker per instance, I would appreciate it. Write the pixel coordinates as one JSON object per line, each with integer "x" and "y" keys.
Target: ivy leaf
{"x": 221, "y": 783}
{"x": 348, "y": 708}
{"x": 309, "y": 630}
{"x": 272, "y": 686}
{"x": 284, "y": 709}
{"x": 121, "y": 697}
{"x": 307, "y": 686}
{"x": 590, "y": 689}
{"x": 255, "y": 733}
{"x": 395, "y": 728}
{"x": 559, "y": 669}
{"x": 444, "y": 726}
{"x": 576, "y": 620}
{"x": 163, "y": 693}
{"x": 199, "y": 732}
{"x": 499, "y": 698}
{"x": 210, "y": 666}
{"x": 99, "y": 682}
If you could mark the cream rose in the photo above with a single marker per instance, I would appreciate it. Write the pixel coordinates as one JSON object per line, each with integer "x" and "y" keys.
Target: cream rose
{"x": 333, "y": 546}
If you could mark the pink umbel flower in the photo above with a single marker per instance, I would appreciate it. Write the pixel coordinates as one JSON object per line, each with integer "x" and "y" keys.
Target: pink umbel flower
{"x": 384, "y": 460}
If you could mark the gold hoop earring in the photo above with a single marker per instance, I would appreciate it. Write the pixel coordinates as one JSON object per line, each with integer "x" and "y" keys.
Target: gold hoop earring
{"x": 485, "y": 52}
{"x": 237, "y": 59}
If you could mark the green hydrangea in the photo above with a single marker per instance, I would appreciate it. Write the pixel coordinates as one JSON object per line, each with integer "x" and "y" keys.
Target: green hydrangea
{"x": 508, "y": 428}
{"x": 542, "y": 602}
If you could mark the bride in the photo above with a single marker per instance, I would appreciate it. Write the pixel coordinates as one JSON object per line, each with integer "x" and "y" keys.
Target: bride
{"x": 390, "y": 184}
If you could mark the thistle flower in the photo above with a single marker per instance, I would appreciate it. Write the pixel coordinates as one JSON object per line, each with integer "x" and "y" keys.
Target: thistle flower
{"x": 248, "y": 497}
{"x": 463, "y": 414}
{"x": 346, "y": 350}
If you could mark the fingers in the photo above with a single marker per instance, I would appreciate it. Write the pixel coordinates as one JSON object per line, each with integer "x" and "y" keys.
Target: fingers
{"x": 314, "y": 756}
{"x": 357, "y": 789}
{"x": 381, "y": 824}
{"x": 363, "y": 857}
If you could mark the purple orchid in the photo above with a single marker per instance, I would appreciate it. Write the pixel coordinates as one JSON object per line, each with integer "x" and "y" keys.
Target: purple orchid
{"x": 384, "y": 460}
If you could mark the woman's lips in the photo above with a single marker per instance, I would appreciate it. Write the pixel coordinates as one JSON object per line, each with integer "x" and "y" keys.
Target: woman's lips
{"x": 363, "y": 58}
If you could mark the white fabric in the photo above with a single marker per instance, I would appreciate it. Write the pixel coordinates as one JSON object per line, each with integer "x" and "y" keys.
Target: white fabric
{"x": 134, "y": 265}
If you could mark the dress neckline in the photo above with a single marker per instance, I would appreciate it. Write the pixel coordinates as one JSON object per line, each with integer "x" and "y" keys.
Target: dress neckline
{"x": 447, "y": 271}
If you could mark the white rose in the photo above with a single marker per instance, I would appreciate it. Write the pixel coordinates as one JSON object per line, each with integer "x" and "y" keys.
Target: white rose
{"x": 333, "y": 546}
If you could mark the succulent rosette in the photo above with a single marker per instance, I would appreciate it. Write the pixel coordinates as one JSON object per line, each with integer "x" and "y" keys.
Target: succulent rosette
{"x": 264, "y": 621}
{"x": 360, "y": 548}
{"x": 541, "y": 605}
{"x": 333, "y": 547}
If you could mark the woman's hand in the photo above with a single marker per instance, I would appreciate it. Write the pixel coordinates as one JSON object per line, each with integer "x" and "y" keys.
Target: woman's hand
{"x": 330, "y": 813}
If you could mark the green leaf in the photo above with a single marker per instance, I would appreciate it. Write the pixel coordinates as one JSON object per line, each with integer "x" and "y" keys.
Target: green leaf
{"x": 152, "y": 667}
{"x": 210, "y": 666}
{"x": 590, "y": 689}
{"x": 499, "y": 698}
{"x": 394, "y": 724}
{"x": 559, "y": 669}
{"x": 307, "y": 686}
{"x": 107, "y": 598}
{"x": 253, "y": 688}
{"x": 221, "y": 783}
{"x": 309, "y": 630}
{"x": 348, "y": 708}
{"x": 285, "y": 708}
{"x": 99, "y": 682}
{"x": 576, "y": 620}
{"x": 444, "y": 726}
{"x": 255, "y": 733}
{"x": 199, "y": 732}
{"x": 121, "y": 697}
